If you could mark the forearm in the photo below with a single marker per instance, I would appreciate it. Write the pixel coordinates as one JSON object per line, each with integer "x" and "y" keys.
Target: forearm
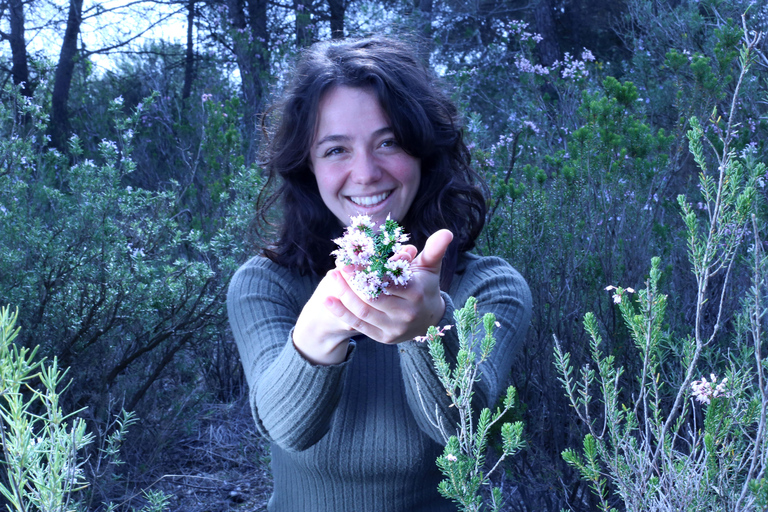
{"x": 294, "y": 400}
{"x": 500, "y": 290}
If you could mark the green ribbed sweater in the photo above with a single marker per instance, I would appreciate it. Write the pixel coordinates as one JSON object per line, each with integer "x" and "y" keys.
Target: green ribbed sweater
{"x": 355, "y": 436}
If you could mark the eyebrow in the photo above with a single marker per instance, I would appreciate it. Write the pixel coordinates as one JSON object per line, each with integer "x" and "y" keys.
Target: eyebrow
{"x": 344, "y": 138}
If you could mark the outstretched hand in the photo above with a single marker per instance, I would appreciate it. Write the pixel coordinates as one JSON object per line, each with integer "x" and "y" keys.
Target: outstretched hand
{"x": 408, "y": 311}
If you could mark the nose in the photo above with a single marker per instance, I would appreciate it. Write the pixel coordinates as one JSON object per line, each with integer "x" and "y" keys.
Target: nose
{"x": 364, "y": 168}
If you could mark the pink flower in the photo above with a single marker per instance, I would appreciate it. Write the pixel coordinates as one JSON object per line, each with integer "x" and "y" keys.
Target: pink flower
{"x": 399, "y": 272}
{"x": 369, "y": 252}
{"x": 532, "y": 126}
{"x": 355, "y": 248}
{"x": 617, "y": 296}
{"x": 361, "y": 222}
{"x": 704, "y": 391}
{"x": 440, "y": 333}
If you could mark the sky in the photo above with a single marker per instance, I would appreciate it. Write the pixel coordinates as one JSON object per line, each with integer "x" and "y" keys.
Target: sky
{"x": 104, "y": 23}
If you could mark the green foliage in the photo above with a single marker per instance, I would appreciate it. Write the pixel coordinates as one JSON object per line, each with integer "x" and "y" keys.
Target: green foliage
{"x": 42, "y": 461}
{"x": 119, "y": 283}
{"x": 654, "y": 448}
{"x": 584, "y": 171}
{"x": 40, "y": 443}
{"x": 463, "y": 461}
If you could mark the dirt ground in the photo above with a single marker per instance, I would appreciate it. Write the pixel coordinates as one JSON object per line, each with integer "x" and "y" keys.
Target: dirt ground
{"x": 222, "y": 466}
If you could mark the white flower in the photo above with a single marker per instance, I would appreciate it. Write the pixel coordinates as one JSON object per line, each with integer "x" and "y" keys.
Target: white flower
{"x": 355, "y": 248}
{"x": 360, "y": 222}
{"x": 451, "y": 458}
{"x": 369, "y": 252}
{"x": 532, "y": 126}
{"x": 399, "y": 272}
{"x": 704, "y": 391}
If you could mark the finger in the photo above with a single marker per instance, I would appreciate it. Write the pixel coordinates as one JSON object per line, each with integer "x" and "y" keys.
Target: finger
{"x": 360, "y": 307}
{"x": 410, "y": 250}
{"x": 349, "y": 269}
{"x": 407, "y": 255}
{"x": 434, "y": 250}
{"x": 355, "y": 324}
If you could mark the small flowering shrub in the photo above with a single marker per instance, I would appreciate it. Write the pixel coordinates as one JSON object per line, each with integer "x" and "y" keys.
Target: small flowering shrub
{"x": 44, "y": 469}
{"x": 41, "y": 444}
{"x": 464, "y": 460}
{"x": 370, "y": 252}
{"x": 662, "y": 440}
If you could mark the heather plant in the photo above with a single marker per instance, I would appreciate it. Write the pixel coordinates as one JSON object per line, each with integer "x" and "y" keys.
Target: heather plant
{"x": 583, "y": 173}
{"x": 663, "y": 437}
{"x": 571, "y": 219}
{"x": 575, "y": 179}
{"x": 369, "y": 252}
{"x": 463, "y": 462}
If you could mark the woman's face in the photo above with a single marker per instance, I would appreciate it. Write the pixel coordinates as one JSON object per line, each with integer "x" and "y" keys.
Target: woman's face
{"x": 359, "y": 166}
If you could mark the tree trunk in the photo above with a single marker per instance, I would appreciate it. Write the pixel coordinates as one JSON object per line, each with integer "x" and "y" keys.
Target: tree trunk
{"x": 63, "y": 78}
{"x": 189, "y": 62}
{"x": 337, "y": 9}
{"x": 425, "y": 21}
{"x": 19, "y": 70}
{"x": 548, "y": 48}
{"x": 303, "y": 20}
{"x": 251, "y": 47}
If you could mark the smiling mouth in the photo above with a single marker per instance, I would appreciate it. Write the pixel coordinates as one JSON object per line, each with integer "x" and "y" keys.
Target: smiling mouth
{"x": 370, "y": 200}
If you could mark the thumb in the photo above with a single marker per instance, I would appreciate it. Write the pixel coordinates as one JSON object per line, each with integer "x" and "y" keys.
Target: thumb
{"x": 434, "y": 250}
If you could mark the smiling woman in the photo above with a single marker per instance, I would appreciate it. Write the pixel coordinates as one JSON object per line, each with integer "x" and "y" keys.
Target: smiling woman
{"x": 359, "y": 166}
{"x": 349, "y": 400}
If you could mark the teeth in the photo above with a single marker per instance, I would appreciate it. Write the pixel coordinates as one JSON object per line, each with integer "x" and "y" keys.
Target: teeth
{"x": 370, "y": 200}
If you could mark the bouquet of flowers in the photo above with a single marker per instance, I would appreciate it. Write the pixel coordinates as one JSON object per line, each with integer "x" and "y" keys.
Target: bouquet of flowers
{"x": 370, "y": 252}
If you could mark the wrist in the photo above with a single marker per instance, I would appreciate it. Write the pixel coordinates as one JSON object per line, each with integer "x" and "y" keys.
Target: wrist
{"x": 319, "y": 349}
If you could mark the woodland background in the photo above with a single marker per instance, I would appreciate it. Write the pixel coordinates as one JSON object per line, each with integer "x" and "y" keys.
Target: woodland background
{"x": 128, "y": 179}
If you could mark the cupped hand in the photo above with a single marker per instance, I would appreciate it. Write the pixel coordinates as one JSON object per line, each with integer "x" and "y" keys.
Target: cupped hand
{"x": 408, "y": 311}
{"x": 319, "y": 337}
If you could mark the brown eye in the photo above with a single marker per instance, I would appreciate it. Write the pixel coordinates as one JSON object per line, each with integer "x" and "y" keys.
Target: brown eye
{"x": 389, "y": 143}
{"x": 334, "y": 151}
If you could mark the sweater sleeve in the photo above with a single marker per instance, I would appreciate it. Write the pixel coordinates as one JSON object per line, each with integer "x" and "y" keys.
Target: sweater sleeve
{"x": 499, "y": 289}
{"x": 292, "y": 400}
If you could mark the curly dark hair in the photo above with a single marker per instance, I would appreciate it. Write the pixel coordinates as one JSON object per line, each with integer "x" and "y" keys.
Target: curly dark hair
{"x": 425, "y": 123}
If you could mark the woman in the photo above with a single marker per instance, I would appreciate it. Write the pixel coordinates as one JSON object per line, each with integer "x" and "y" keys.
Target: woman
{"x": 348, "y": 400}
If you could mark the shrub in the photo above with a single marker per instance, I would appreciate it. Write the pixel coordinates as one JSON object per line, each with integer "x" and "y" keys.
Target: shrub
{"x": 121, "y": 284}
{"x": 650, "y": 441}
{"x": 464, "y": 459}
